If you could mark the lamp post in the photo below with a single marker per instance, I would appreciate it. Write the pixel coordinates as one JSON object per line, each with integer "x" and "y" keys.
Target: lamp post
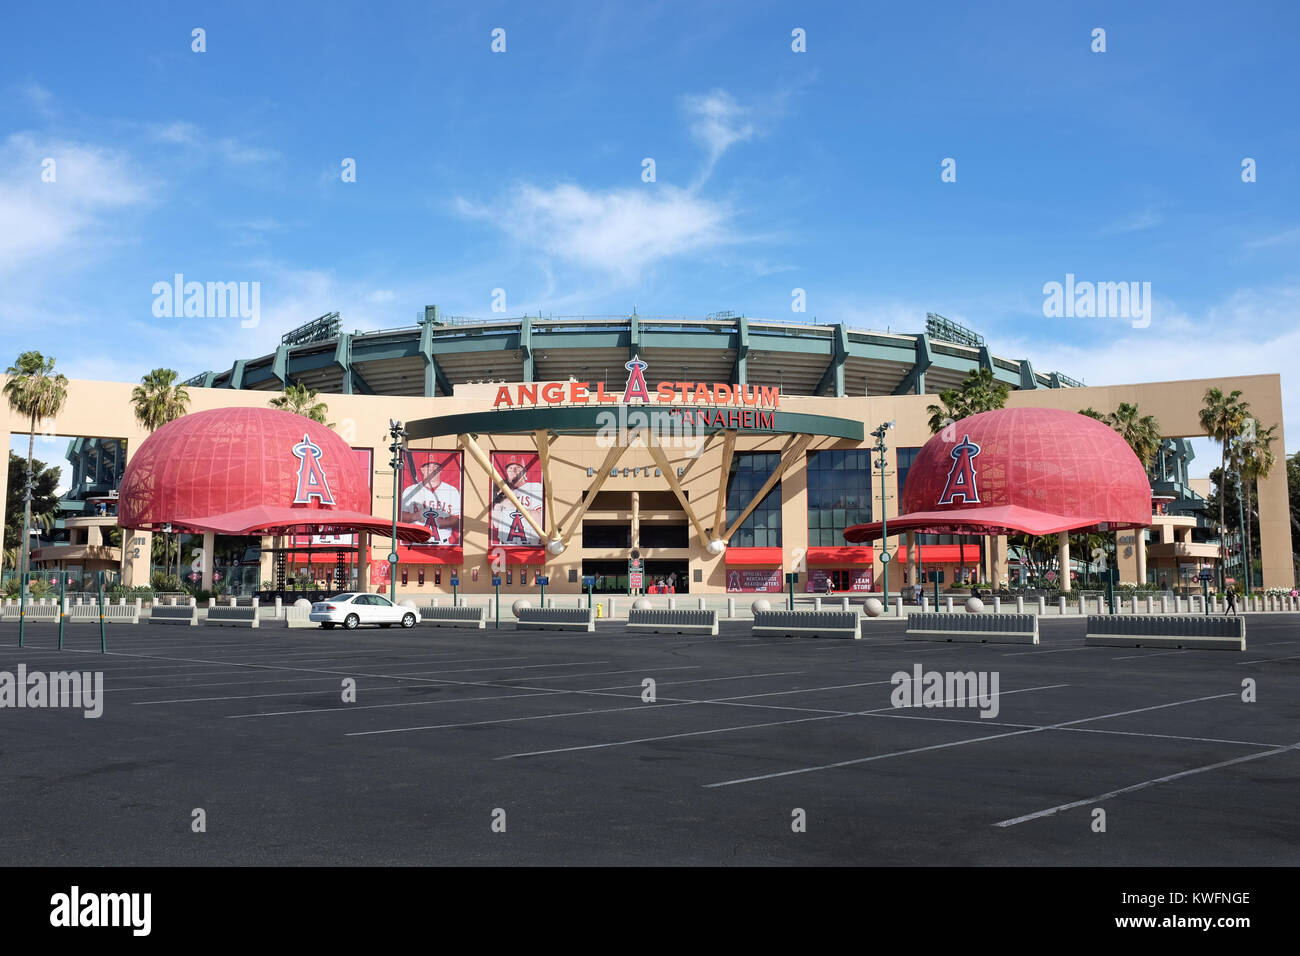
{"x": 398, "y": 434}
{"x": 1241, "y": 535}
{"x": 879, "y": 435}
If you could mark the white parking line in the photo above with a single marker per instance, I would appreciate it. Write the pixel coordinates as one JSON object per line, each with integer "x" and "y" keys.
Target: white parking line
{"x": 959, "y": 743}
{"x": 1143, "y": 785}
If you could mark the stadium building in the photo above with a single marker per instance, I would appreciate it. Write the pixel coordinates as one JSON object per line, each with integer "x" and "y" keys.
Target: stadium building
{"x": 524, "y": 454}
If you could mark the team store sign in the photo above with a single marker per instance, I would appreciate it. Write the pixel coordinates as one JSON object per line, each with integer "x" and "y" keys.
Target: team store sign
{"x": 757, "y": 401}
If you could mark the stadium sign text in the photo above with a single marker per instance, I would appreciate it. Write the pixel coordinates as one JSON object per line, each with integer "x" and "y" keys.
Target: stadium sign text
{"x": 636, "y": 392}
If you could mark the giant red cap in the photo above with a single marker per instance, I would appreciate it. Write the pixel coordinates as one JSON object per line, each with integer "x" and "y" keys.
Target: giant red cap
{"x": 1032, "y": 470}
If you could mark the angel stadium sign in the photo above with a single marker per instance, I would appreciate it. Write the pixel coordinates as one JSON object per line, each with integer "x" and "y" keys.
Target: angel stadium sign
{"x": 636, "y": 392}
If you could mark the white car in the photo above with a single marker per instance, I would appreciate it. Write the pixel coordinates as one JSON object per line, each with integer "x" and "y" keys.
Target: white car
{"x": 353, "y": 610}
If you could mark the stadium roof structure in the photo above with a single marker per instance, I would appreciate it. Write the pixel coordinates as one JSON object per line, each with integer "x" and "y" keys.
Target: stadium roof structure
{"x": 246, "y": 471}
{"x": 1021, "y": 470}
{"x": 434, "y": 355}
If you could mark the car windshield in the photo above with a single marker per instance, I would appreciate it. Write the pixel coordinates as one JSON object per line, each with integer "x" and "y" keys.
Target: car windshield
{"x": 343, "y": 597}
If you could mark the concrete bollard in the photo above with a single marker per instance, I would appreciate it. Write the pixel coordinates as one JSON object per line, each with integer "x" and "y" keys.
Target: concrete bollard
{"x": 212, "y": 602}
{"x": 611, "y": 605}
{"x": 1150, "y": 604}
{"x": 731, "y": 608}
{"x": 844, "y": 604}
{"x": 947, "y": 604}
{"x": 898, "y": 607}
{"x": 672, "y": 603}
{"x": 702, "y": 607}
{"x": 1133, "y": 605}
{"x": 279, "y": 610}
{"x": 1020, "y": 604}
{"x": 997, "y": 604}
{"x": 1060, "y": 606}
{"x": 139, "y": 605}
{"x": 817, "y": 603}
{"x": 1042, "y": 605}
{"x": 550, "y": 602}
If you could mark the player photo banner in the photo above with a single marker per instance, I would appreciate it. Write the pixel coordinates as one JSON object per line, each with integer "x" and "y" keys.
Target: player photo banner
{"x": 522, "y": 472}
{"x": 431, "y": 495}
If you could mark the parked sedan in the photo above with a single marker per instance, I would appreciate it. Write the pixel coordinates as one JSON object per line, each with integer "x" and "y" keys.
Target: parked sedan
{"x": 353, "y": 610}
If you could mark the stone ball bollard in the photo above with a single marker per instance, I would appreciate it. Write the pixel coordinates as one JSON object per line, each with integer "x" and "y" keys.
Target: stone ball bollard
{"x": 302, "y": 602}
{"x": 974, "y": 605}
{"x": 641, "y": 604}
{"x": 519, "y": 606}
{"x": 762, "y": 604}
{"x": 409, "y": 603}
{"x": 872, "y": 607}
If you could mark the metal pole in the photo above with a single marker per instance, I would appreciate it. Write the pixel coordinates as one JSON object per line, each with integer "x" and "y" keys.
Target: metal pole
{"x": 103, "y": 638}
{"x": 498, "y": 590}
{"x": 1205, "y": 596}
{"x": 790, "y": 579}
{"x": 23, "y": 577}
{"x": 1111, "y": 571}
{"x": 63, "y": 603}
{"x": 1241, "y": 537}
{"x": 542, "y": 599}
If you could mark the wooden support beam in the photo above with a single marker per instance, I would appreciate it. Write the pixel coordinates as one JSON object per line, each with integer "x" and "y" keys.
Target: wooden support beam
{"x": 661, "y": 460}
{"x": 793, "y": 449}
{"x": 728, "y": 452}
{"x": 481, "y": 457}
{"x": 574, "y": 518}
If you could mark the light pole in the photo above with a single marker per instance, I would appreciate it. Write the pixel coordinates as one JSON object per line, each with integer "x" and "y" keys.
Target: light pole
{"x": 1241, "y": 535}
{"x": 879, "y": 435}
{"x": 398, "y": 434}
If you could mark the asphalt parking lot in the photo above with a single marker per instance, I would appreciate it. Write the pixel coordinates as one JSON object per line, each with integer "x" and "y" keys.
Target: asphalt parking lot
{"x": 456, "y": 735}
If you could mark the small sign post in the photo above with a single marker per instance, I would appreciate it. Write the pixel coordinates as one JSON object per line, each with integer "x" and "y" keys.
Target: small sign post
{"x": 542, "y": 581}
{"x": 496, "y": 583}
{"x": 455, "y": 583}
{"x": 588, "y": 582}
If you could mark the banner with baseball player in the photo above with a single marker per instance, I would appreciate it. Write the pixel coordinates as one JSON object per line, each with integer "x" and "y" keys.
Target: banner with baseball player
{"x": 522, "y": 472}
{"x": 431, "y": 495}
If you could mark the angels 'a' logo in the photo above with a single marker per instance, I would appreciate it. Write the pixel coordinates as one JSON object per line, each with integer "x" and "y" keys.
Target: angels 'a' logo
{"x": 431, "y": 516}
{"x": 636, "y": 388}
{"x": 516, "y": 528}
{"x": 312, "y": 482}
{"x": 961, "y": 477}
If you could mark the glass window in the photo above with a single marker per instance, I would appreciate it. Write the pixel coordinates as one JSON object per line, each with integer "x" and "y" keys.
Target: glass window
{"x": 839, "y": 494}
{"x": 762, "y": 529}
{"x": 906, "y": 458}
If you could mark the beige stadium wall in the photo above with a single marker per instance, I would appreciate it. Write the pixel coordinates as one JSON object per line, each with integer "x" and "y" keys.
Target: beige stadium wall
{"x": 103, "y": 410}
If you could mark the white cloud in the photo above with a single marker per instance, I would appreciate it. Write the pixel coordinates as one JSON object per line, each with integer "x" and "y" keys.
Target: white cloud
{"x": 1146, "y": 219}
{"x": 620, "y": 232}
{"x": 1277, "y": 239}
{"x": 40, "y": 219}
{"x": 718, "y": 122}
{"x": 190, "y": 136}
{"x": 40, "y": 99}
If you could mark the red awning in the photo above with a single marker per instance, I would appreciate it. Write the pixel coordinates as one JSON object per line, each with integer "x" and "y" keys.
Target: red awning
{"x": 437, "y": 554}
{"x": 825, "y": 556}
{"x": 265, "y": 519}
{"x": 943, "y": 553}
{"x": 755, "y": 557}
{"x": 518, "y": 555}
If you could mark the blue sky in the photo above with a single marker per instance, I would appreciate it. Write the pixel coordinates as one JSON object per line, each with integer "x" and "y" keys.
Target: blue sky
{"x": 522, "y": 170}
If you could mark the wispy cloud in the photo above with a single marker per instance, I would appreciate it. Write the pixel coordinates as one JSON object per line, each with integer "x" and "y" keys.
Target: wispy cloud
{"x": 38, "y": 98}
{"x": 1287, "y": 237}
{"x": 190, "y": 136}
{"x": 619, "y": 232}
{"x": 1148, "y": 218}
{"x": 718, "y": 122}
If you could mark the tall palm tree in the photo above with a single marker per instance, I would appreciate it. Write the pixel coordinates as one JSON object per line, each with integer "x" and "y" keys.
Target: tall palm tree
{"x": 157, "y": 401}
{"x": 1141, "y": 432}
{"x": 1256, "y": 459}
{"x": 1092, "y": 413}
{"x": 1222, "y": 417}
{"x": 301, "y": 400}
{"x": 35, "y": 392}
{"x": 979, "y": 392}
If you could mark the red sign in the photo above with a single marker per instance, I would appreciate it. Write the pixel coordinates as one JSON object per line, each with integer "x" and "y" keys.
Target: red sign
{"x": 666, "y": 393}
{"x": 635, "y": 579}
{"x": 522, "y": 472}
{"x": 762, "y": 580}
{"x": 431, "y": 495}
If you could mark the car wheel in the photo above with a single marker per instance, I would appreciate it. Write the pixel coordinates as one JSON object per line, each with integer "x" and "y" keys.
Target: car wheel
{"x": 328, "y": 625}
{"x": 408, "y": 620}
{"x": 351, "y": 622}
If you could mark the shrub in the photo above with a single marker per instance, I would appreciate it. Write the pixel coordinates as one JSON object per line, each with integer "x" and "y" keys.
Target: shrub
{"x": 165, "y": 582}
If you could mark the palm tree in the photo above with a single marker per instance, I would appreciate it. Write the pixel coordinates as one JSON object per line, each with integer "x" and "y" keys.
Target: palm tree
{"x": 1222, "y": 417}
{"x": 35, "y": 392}
{"x": 159, "y": 400}
{"x": 1092, "y": 413}
{"x": 1141, "y": 432}
{"x": 979, "y": 392}
{"x": 301, "y": 400}
{"x": 1255, "y": 459}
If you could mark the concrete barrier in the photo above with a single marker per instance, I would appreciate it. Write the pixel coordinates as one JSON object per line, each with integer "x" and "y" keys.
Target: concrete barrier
{"x": 232, "y": 616}
{"x": 35, "y": 613}
{"x": 298, "y": 617}
{"x": 557, "y": 619}
{"x": 113, "y": 614}
{"x": 845, "y": 624}
{"x": 186, "y": 614}
{"x": 674, "y": 622}
{"x": 464, "y": 615}
{"x": 1192, "y": 632}
{"x": 974, "y": 628}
